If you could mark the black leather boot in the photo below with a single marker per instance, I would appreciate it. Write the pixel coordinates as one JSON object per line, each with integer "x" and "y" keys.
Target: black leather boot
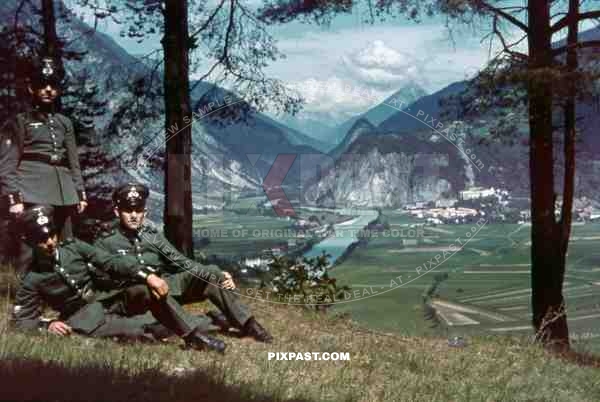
{"x": 219, "y": 319}
{"x": 201, "y": 341}
{"x": 254, "y": 329}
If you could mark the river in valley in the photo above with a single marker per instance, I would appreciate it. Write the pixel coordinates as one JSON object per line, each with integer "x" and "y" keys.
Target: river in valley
{"x": 344, "y": 235}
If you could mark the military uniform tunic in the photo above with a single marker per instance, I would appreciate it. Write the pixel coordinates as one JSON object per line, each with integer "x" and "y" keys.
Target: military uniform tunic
{"x": 189, "y": 281}
{"x": 65, "y": 282}
{"x": 39, "y": 162}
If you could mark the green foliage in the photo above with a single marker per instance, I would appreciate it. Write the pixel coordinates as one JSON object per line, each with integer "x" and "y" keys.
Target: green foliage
{"x": 305, "y": 282}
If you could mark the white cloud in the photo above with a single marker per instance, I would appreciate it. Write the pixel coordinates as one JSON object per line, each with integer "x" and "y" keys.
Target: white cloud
{"x": 336, "y": 98}
{"x": 379, "y": 59}
{"x": 382, "y": 66}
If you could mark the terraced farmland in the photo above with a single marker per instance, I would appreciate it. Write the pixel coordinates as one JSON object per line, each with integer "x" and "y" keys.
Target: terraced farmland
{"x": 233, "y": 234}
{"x": 487, "y": 289}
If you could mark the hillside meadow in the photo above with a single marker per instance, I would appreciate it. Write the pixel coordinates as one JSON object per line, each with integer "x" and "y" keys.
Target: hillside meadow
{"x": 382, "y": 366}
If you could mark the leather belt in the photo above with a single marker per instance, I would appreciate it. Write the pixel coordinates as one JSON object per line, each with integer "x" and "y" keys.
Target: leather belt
{"x": 49, "y": 159}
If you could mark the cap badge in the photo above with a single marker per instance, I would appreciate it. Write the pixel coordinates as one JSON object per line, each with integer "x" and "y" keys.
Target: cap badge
{"x": 47, "y": 69}
{"x": 42, "y": 220}
{"x": 133, "y": 193}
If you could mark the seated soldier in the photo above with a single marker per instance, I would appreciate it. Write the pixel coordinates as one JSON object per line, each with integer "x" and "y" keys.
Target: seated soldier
{"x": 64, "y": 276}
{"x": 187, "y": 280}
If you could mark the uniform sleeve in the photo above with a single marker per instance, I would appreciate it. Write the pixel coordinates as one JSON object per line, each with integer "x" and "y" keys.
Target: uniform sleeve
{"x": 174, "y": 258}
{"x": 101, "y": 244}
{"x": 27, "y": 307}
{"x": 117, "y": 266}
{"x": 73, "y": 156}
{"x": 10, "y": 153}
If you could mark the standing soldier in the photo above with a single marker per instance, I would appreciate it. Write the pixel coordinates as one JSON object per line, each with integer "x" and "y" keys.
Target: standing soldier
{"x": 187, "y": 280}
{"x": 38, "y": 158}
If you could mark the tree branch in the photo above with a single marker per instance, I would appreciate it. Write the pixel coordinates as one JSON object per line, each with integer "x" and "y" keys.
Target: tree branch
{"x": 506, "y": 47}
{"x": 509, "y": 17}
{"x": 564, "y": 22}
{"x": 209, "y": 20}
{"x": 224, "y": 59}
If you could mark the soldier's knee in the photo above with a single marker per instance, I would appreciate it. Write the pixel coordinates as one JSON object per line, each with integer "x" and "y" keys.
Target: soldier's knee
{"x": 137, "y": 299}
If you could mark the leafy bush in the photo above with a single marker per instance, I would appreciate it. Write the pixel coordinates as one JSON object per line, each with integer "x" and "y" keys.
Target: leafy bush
{"x": 305, "y": 282}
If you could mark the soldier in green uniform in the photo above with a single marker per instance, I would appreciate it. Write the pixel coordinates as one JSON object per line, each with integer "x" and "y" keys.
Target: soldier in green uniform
{"x": 188, "y": 281}
{"x": 65, "y": 277}
{"x": 38, "y": 158}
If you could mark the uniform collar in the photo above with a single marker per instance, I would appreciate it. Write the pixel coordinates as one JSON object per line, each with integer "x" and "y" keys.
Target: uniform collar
{"x": 44, "y": 262}
{"x": 132, "y": 235}
{"x": 40, "y": 115}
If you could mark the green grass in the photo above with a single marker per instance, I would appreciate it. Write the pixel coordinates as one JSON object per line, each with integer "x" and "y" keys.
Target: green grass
{"x": 400, "y": 358}
{"x": 382, "y": 367}
{"x": 494, "y": 262}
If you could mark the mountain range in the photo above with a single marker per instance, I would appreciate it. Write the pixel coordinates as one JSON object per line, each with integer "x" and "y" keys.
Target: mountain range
{"x": 387, "y": 156}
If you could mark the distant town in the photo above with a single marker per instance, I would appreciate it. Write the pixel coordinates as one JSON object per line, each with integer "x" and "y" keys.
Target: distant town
{"x": 495, "y": 205}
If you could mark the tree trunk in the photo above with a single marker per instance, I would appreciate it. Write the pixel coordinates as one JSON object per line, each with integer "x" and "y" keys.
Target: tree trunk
{"x": 177, "y": 166}
{"x": 547, "y": 258}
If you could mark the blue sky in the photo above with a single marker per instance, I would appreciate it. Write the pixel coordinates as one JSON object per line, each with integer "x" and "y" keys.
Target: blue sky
{"x": 323, "y": 62}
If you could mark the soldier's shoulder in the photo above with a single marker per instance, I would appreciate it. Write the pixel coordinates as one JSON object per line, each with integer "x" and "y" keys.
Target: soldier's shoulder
{"x": 107, "y": 228}
{"x": 62, "y": 117}
{"x": 64, "y": 120}
{"x": 22, "y": 115}
{"x": 107, "y": 234}
{"x": 150, "y": 229}
{"x": 68, "y": 241}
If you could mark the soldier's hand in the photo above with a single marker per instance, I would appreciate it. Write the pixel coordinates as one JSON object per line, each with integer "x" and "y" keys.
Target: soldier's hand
{"x": 81, "y": 206}
{"x": 158, "y": 286}
{"x": 228, "y": 282}
{"x": 16, "y": 209}
{"x": 59, "y": 328}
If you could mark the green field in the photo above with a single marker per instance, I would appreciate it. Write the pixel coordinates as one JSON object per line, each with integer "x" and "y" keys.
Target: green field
{"x": 246, "y": 228}
{"x": 487, "y": 290}
{"x": 233, "y": 234}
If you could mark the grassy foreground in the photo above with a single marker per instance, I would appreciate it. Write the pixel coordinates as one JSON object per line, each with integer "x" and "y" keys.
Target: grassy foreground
{"x": 382, "y": 367}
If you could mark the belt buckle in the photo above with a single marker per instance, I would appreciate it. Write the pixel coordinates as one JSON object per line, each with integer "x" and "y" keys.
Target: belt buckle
{"x": 54, "y": 159}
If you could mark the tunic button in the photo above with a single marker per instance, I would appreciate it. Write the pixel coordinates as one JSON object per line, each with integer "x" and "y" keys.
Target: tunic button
{"x": 142, "y": 261}
{"x": 62, "y": 269}
{"x": 73, "y": 281}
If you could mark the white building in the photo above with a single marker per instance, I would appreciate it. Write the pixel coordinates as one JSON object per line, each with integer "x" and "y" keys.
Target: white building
{"x": 476, "y": 192}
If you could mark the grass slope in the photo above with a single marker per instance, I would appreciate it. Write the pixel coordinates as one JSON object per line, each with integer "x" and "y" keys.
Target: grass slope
{"x": 382, "y": 367}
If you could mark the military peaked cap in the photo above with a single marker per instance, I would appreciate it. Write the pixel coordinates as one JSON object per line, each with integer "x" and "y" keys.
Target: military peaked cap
{"x": 38, "y": 223}
{"x": 45, "y": 72}
{"x": 130, "y": 195}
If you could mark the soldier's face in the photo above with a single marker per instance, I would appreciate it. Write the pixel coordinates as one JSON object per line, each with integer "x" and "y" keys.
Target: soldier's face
{"x": 46, "y": 94}
{"x": 49, "y": 245}
{"x": 131, "y": 218}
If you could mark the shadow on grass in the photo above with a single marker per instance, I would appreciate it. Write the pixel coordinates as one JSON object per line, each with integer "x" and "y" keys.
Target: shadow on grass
{"x": 48, "y": 381}
{"x": 584, "y": 359}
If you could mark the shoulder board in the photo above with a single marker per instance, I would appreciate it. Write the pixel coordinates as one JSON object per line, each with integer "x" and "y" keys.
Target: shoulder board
{"x": 67, "y": 241}
{"x": 107, "y": 233}
{"x": 149, "y": 229}
{"x": 62, "y": 119}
